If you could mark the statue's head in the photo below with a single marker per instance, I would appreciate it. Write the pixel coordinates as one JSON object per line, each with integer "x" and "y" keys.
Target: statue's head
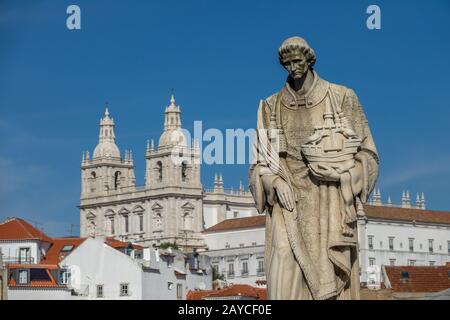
{"x": 296, "y": 56}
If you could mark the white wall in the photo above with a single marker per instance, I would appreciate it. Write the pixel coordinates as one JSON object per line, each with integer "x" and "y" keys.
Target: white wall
{"x": 219, "y": 240}
{"x": 236, "y": 247}
{"x": 10, "y": 250}
{"x": 381, "y": 231}
{"x": 95, "y": 263}
{"x": 38, "y": 294}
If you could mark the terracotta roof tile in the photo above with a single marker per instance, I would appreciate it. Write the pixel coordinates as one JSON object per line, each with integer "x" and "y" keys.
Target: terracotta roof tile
{"x": 407, "y": 214}
{"x": 54, "y": 254}
{"x": 258, "y": 221}
{"x": 374, "y": 212}
{"x": 420, "y": 279}
{"x": 18, "y": 229}
{"x": 117, "y": 244}
{"x": 51, "y": 283}
{"x": 235, "y": 290}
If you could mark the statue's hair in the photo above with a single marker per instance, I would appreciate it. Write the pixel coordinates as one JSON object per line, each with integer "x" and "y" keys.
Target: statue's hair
{"x": 296, "y": 43}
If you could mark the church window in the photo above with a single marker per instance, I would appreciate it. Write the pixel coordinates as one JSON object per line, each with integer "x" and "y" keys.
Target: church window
{"x": 160, "y": 170}
{"x": 111, "y": 222}
{"x": 183, "y": 171}
{"x": 126, "y": 222}
{"x": 141, "y": 222}
{"x": 116, "y": 180}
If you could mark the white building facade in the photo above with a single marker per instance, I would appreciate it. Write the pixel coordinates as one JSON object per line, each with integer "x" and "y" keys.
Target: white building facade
{"x": 236, "y": 247}
{"x": 172, "y": 206}
{"x": 99, "y": 272}
{"x": 396, "y": 236}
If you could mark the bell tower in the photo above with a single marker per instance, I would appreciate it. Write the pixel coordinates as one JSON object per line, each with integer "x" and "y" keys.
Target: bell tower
{"x": 173, "y": 163}
{"x": 106, "y": 171}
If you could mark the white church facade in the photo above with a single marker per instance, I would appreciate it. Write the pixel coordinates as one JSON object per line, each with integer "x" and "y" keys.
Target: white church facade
{"x": 172, "y": 206}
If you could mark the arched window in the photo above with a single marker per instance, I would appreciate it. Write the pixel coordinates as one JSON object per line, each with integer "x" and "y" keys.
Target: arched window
{"x": 160, "y": 170}
{"x": 93, "y": 181}
{"x": 183, "y": 171}
{"x": 117, "y": 180}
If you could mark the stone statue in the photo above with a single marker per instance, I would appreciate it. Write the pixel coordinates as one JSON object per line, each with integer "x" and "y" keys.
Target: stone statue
{"x": 314, "y": 162}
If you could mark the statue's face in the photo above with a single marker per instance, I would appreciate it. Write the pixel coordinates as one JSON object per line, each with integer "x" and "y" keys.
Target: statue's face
{"x": 295, "y": 63}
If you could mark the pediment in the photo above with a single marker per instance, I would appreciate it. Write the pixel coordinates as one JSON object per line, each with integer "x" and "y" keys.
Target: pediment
{"x": 109, "y": 212}
{"x": 90, "y": 215}
{"x": 156, "y": 206}
{"x": 188, "y": 205}
{"x": 124, "y": 211}
{"x": 138, "y": 209}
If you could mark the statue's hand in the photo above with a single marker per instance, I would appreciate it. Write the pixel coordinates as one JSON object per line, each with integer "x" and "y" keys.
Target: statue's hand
{"x": 284, "y": 194}
{"x": 324, "y": 172}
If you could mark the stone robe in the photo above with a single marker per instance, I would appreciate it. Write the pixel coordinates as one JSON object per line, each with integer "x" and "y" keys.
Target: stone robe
{"x": 307, "y": 256}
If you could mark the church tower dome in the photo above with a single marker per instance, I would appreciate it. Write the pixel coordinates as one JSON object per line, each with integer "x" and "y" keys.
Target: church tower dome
{"x": 106, "y": 147}
{"x": 172, "y": 135}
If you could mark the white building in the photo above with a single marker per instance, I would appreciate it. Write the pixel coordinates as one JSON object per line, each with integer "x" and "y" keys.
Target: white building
{"x": 100, "y": 272}
{"x": 387, "y": 235}
{"x": 20, "y": 242}
{"x": 172, "y": 206}
{"x": 94, "y": 268}
{"x": 396, "y": 236}
{"x": 236, "y": 247}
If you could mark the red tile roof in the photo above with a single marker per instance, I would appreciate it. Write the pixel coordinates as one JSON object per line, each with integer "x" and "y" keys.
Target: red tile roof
{"x": 374, "y": 212}
{"x": 421, "y": 279}
{"x": 18, "y": 229}
{"x": 407, "y": 214}
{"x": 54, "y": 254}
{"x": 235, "y": 290}
{"x": 117, "y": 244}
{"x": 51, "y": 283}
{"x": 258, "y": 221}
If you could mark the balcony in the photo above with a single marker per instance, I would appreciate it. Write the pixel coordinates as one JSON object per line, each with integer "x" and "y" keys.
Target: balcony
{"x": 18, "y": 260}
{"x": 244, "y": 273}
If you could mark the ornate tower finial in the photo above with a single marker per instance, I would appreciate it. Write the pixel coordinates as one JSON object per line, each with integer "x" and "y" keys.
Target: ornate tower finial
{"x": 406, "y": 200}
{"x": 418, "y": 201}
{"x": 423, "y": 201}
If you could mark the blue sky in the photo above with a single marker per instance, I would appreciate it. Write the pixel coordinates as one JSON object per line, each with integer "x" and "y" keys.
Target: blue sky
{"x": 221, "y": 58}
